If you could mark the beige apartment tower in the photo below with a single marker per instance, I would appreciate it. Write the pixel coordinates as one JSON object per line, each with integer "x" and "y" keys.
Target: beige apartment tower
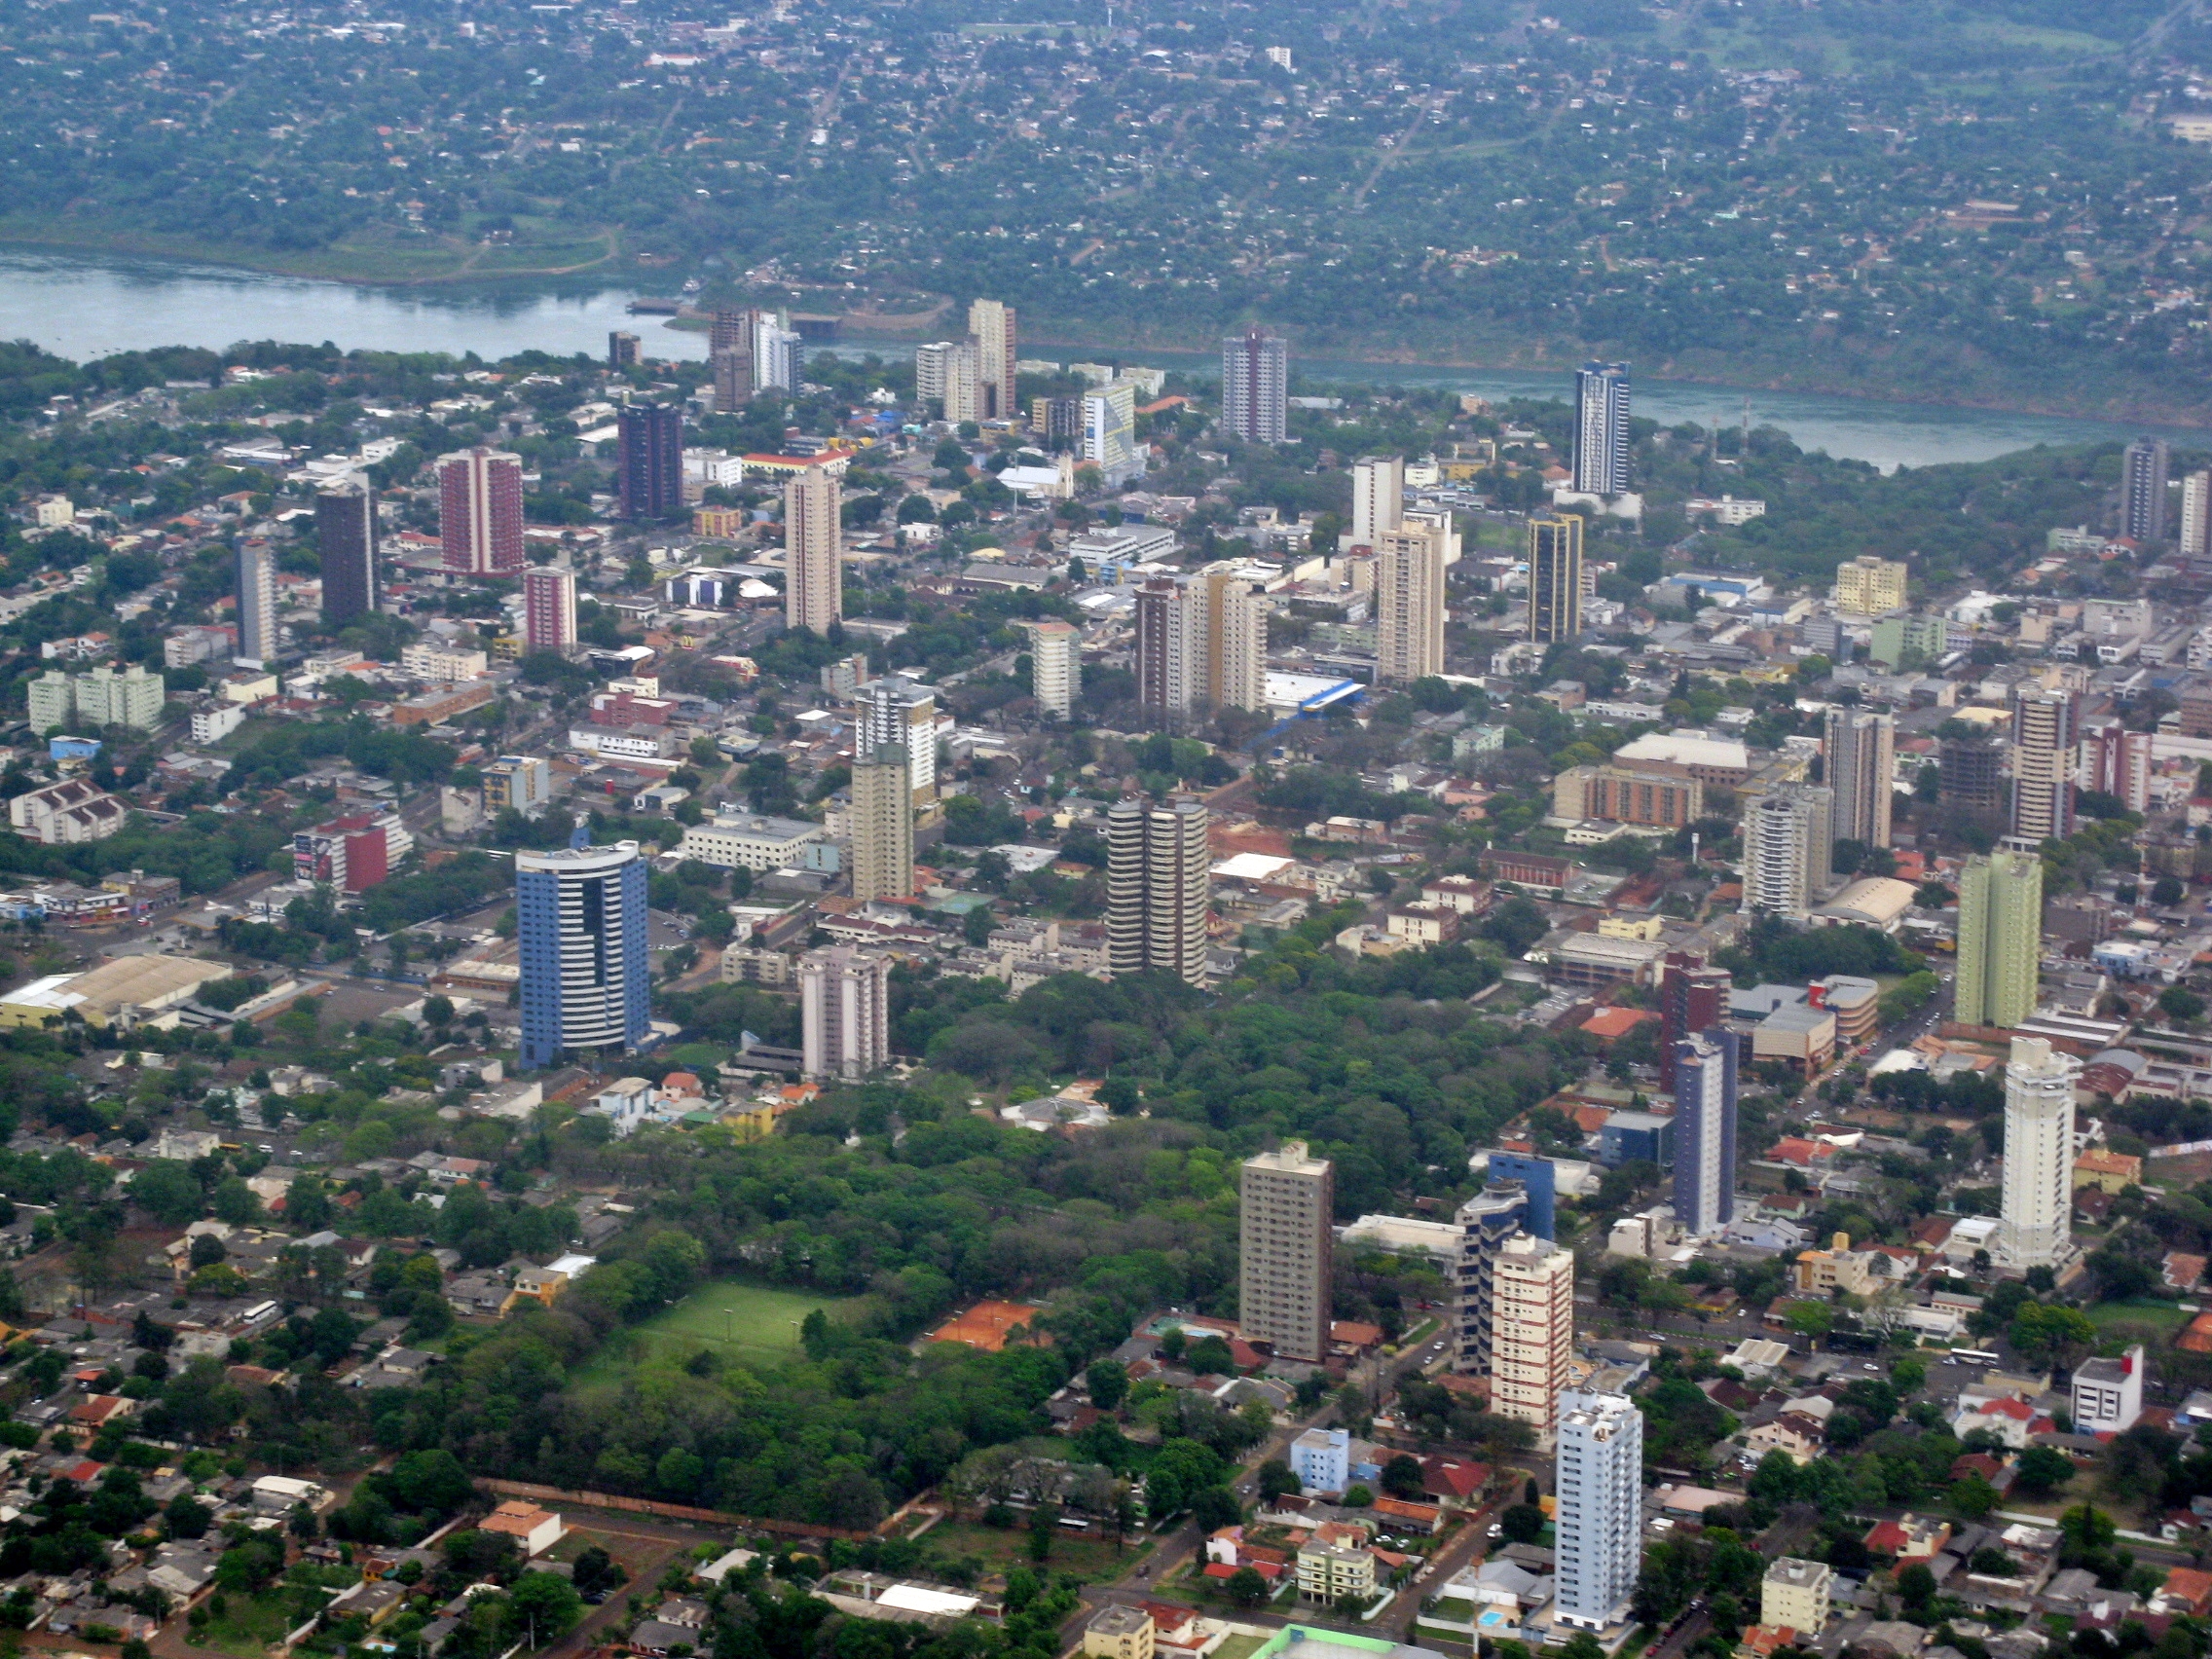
{"x": 990, "y": 325}
{"x": 1284, "y": 1239}
{"x": 1867, "y": 586}
{"x": 1378, "y": 496}
{"x": 1531, "y": 1329}
{"x": 1055, "y": 666}
{"x": 1159, "y": 883}
{"x": 883, "y": 825}
{"x": 1409, "y": 603}
{"x": 814, "y": 542}
{"x": 1237, "y": 640}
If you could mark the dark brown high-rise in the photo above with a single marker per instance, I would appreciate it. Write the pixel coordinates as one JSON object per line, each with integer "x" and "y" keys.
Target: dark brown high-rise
{"x": 1970, "y": 774}
{"x": 1692, "y": 998}
{"x": 346, "y": 536}
{"x": 729, "y": 352}
{"x": 649, "y": 472}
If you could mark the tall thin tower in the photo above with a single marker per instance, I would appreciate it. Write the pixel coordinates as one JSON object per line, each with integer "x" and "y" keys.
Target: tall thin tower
{"x": 2044, "y": 739}
{"x": 990, "y": 322}
{"x": 648, "y": 470}
{"x": 1254, "y": 387}
{"x": 586, "y": 975}
{"x": 814, "y": 544}
{"x": 1705, "y": 1131}
{"x": 1600, "y": 429}
{"x": 2038, "y": 1198}
{"x": 1159, "y": 883}
{"x": 480, "y": 511}
{"x": 1287, "y": 1201}
{"x": 1554, "y": 577}
{"x": 883, "y": 825}
{"x": 1860, "y": 748}
{"x": 257, "y": 602}
{"x": 2000, "y": 937}
{"x": 2143, "y": 491}
{"x": 1409, "y": 603}
{"x": 346, "y": 536}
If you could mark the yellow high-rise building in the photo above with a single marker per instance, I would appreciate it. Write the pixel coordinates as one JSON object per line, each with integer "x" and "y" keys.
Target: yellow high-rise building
{"x": 1867, "y": 586}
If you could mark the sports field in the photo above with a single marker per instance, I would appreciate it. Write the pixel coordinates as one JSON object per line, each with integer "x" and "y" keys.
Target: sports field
{"x": 745, "y": 1321}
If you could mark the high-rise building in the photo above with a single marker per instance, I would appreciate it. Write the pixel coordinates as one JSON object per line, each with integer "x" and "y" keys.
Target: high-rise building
{"x": 990, "y": 325}
{"x": 776, "y": 361}
{"x": 1970, "y": 773}
{"x": 2000, "y": 937}
{"x": 1870, "y": 587}
{"x": 1787, "y": 849}
{"x": 1254, "y": 387}
{"x": 1110, "y": 432}
{"x": 1600, "y": 429}
{"x": 1554, "y": 577}
{"x": 2043, "y": 764}
{"x": 883, "y": 825}
{"x": 814, "y": 546}
{"x": 2196, "y": 547}
{"x": 949, "y": 373}
{"x": 1055, "y": 666}
{"x": 346, "y": 536}
{"x": 649, "y": 468}
{"x": 844, "y": 1012}
{"x": 257, "y": 602}
{"x": 729, "y": 353}
{"x": 1705, "y": 1131}
{"x": 1693, "y": 996}
{"x": 1058, "y": 420}
{"x": 353, "y": 853}
{"x": 2038, "y": 1195}
{"x": 1201, "y": 642}
{"x": 132, "y": 696}
{"x": 480, "y": 511}
{"x": 586, "y": 973}
{"x": 2117, "y": 761}
{"x": 1236, "y": 638}
{"x": 621, "y": 351}
{"x": 1859, "y": 755}
{"x": 1531, "y": 1329}
{"x": 2143, "y": 491}
{"x": 1486, "y": 1221}
{"x": 1159, "y": 883}
{"x": 518, "y": 782}
{"x": 548, "y": 607}
{"x": 1409, "y": 603}
{"x": 1598, "y": 1530}
{"x": 1287, "y": 1204}
{"x": 1378, "y": 496}
{"x": 1538, "y": 1178}
{"x": 900, "y": 712}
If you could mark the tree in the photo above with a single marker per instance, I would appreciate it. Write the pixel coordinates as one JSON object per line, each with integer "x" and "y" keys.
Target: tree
{"x": 1916, "y": 1586}
{"x": 1358, "y": 1498}
{"x": 2041, "y": 1471}
{"x": 541, "y": 1606}
{"x": 2178, "y": 1001}
{"x": 2052, "y": 1333}
{"x": 1247, "y": 1588}
{"x": 165, "y": 1190}
{"x": 235, "y": 1204}
{"x": 1521, "y": 1524}
{"x": 1108, "y": 1381}
{"x": 1815, "y": 1319}
{"x": 2166, "y": 891}
{"x": 1277, "y": 1479}
{"x": 1216, "y": 1507}
{"x": 1402, "y": 1478}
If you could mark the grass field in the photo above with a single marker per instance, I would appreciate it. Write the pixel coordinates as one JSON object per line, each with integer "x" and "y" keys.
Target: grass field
{"x": 249, "y": 1627}
{"x": 2144, "y": 1320}
{"x": 747, "y": 1321}
{"x": 1083, "y": 1558}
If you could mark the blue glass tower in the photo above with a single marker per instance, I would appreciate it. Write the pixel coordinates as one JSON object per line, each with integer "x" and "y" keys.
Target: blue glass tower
{"x": 1538, "y": 1180}
{"x": 586, "y": 975}
{"x": 1705, "y": 1132}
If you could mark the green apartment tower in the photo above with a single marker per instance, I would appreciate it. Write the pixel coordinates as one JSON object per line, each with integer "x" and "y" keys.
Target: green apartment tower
{"x": 2000, "y": 937}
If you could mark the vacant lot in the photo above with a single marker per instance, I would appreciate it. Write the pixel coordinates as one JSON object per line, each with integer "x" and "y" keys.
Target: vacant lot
{"x": 2144, "y": 1319}
{"x": 1086, "y": 1558}
{"x": 747, "y": 1321}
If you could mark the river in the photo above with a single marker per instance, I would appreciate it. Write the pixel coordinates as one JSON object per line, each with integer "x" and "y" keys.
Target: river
{"x": 84, "y": 306}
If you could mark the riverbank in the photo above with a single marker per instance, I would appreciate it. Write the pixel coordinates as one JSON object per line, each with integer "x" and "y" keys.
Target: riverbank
{"x": 368, "y": 259}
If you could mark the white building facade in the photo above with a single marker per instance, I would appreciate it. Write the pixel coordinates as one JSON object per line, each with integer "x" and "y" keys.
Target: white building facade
{"x": 1598, "y": 1474}
{"x": 2034, "y": 1230}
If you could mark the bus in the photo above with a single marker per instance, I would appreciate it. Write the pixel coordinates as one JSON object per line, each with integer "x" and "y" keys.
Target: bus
{"x": 1972, "y": 1357}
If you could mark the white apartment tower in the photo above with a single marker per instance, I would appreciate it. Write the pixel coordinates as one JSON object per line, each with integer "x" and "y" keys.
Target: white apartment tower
{"x": 1378, "y": 496}
{"x": 1409, "y": 603}
{"x": 844, "y": 1012}
{"x": 1598, "y": 1474}
{"x": 1110, "y": 431}
{"x": 2043, "y": 764}
{"x": 2197, "y": 519}
{"x": 1055, "y": 667}
{"x": 901, "y": 712}
{"x": 1860, "y": 760}
{"x": 257, "y": 602}
{"x": 1531, "y": 1329}
{"x": 814, "y": 542}
{"x": 1787, "y": 848}
{"x": 2039, "y": 1156}
{"x": 883, "y": 825}
{"x": 1159, "y": 883}
{"x": 1286, "y": 1206}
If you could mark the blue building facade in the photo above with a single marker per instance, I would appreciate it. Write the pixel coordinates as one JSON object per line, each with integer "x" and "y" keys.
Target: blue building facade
{"x": 1538, "y": 1180}
{"x": 1705, "y": 1132}
{"x": 1631, "y": 1135}
{"x": 586, "y": 971}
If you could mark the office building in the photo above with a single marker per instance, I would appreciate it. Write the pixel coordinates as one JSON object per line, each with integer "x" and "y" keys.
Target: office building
{"x": 776, "y": 361}
{"x": 2043, "y": 764}
{"x": 1287, "y": 1205}
{"x": 586, "y": 976}
{"x": 1201, "y": 642}
{"x": 1254, "y": 387}
{"x": 648, "y": 466}
{"x": 814, "y": 546}
{"x": 256, "y": 603}
{"x": 518, "y": 782}
{"x": 2196, "y": 542}
{"x": 899, "y": 712}
{"x": 346, "y": 538}
{"x": 1859, "y": 761}
{"x": 2038, "y": 1194}
{"x": 1486, "y": 1221}
{"x": 621, "y": 351}
{"x": 1531, "y": 1329}
{"x": 1554, "y": 577}
{"x": 548, "y": 607}
{"x": 1870, "y": 587}
{"x": 1705, "y": 1131}
{"x": 1409, "y": 603}
{"x": 1159, "y": 883}
{"x": 1627, "y": 794}
{"x": 2000, "y": 937}
{"x": 883, "y": 823}
{"x": 2108, "y": 1394}
{"x": 1600, "y": 429}
{"x": 1598, "y": 1528}
{"x": 1110, "y": 432}
{"x": 990, "y": 325}
{"x": 1538, "y": 1179}
{"x": 845, "y": 1014}
{"x": 1055, "y": 667}
{"x": 1794, "y": 1595}
{"x": 480, "y": 511}
{"x": 1693, "y": 997}
{"x": 2143, "y": 491}
{"x": 1787, "y": 849}
{"x": 1378, "y": 496}
{"x": 1970, "y": 773}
